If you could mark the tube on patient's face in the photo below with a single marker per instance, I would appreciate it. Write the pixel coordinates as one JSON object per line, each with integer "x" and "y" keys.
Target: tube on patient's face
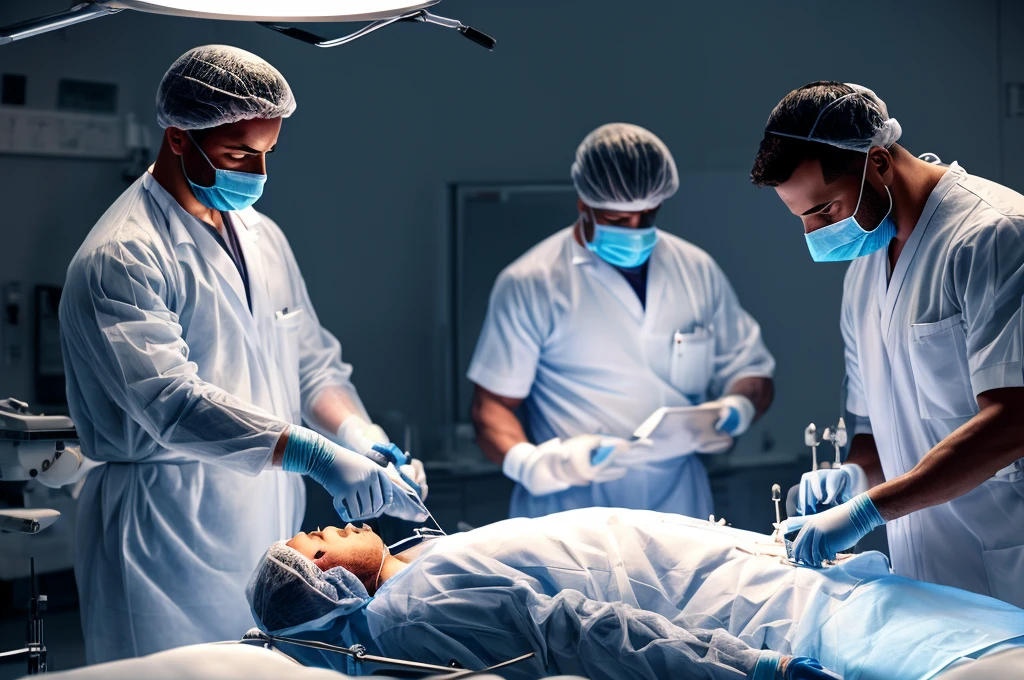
{"x": 357, "y": 549}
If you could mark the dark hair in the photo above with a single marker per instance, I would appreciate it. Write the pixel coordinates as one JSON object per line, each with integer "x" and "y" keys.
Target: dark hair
{"x": 796, "y": 114}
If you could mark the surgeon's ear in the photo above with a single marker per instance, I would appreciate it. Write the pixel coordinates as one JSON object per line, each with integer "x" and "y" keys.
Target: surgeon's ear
{"x": 175, "y": 139}
{"x": 881, "y": 160}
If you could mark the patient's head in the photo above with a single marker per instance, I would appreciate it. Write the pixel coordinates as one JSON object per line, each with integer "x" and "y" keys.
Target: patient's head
{"x": 316, "y": 578}
{"x": 358, "y": 550}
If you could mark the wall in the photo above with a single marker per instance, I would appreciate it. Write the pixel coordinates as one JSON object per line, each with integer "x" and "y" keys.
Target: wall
{"x": 383, "y": 125}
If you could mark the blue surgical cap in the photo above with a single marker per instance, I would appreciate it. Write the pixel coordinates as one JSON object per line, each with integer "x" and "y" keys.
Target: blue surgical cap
{"x": 288, "y": 593}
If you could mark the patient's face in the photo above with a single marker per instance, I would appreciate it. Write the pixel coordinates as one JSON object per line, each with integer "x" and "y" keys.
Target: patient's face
{"x": 357, "y": 549}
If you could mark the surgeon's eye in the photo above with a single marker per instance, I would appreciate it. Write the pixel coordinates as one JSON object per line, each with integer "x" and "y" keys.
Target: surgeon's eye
{"x": 319, "y": 554}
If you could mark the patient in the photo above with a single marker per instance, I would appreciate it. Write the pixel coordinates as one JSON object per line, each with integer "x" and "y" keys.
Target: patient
{"x": 607, "y": 593}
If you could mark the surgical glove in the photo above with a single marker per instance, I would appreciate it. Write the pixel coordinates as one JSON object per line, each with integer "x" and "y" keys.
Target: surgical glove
{"x": 557, "y": 465}
{"x": 806, "y": 668}
{"x": 359, "y": 435}
{"x": 360, "y": 488}
{"x": 736, "y": 413}
{"x": 414, "y": 471}
{"x": 822, "y": 489}
{"x": 839, "y": 528}
{"x": 405, "y": 502}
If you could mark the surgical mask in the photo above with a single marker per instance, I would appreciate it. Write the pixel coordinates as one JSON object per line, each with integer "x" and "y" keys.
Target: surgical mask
{"x": 622, "y": 246}
{"x": 231, "y": 190}
{"x": 846, "y": 239}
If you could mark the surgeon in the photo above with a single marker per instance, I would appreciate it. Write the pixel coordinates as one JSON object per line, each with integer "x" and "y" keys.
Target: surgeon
{"x": 192, "y": 354}
{"x": 931, "y": 320}
{"x": 598, "y": 326}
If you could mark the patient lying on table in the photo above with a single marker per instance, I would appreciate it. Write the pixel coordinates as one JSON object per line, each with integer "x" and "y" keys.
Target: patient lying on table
{"x": 607, "y": 593}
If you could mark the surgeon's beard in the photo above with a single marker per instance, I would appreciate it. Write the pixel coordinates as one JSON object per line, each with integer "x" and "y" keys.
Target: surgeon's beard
{"x": 873, "y": 208}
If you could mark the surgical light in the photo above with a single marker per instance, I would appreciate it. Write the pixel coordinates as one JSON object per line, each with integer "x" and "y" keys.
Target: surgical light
{"x": 273, "y": 14}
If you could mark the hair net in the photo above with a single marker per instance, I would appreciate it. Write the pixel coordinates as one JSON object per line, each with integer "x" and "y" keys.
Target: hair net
{"x": 624, "y": 167}
{"x": 287, "y": 591}
{"x": 217, "y": 84}
{"x": 857, "y": 121}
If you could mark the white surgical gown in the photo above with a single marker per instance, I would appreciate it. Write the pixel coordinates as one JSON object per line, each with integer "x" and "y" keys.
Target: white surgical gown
{"x": 183, "y": 393}
{"x": 919, "y": 348}
{"x": 566, "y": 332}
{"x": 610, "y": 594}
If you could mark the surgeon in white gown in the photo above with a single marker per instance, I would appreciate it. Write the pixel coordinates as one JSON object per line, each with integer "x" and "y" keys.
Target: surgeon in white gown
{"x": 598, "y": 326}
{"x": 610, "y": 594}
{"x": 932, "y": 323}
{"x": 192, "y": 355}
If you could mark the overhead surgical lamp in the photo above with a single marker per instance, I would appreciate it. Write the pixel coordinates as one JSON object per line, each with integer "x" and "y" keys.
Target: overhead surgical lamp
{"x": 273, "y": 14}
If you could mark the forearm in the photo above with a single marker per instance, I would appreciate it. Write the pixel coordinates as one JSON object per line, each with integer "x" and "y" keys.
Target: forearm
{"x": 864, "y": 452}
{"x": 330, "y": 409}
{"x": 497, "y": 428}
{"x": 960, "y": 463}
{"x": 207, "y": 422}
{"x": 277, "y": 459}
{"x": 760, "y": 392}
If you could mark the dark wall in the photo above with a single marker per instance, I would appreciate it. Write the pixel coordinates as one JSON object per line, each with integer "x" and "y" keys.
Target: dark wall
{"x": 383, "y": 125}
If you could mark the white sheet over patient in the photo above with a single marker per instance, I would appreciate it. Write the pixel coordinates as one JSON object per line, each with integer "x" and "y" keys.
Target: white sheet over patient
{"x": 608, "y": 593}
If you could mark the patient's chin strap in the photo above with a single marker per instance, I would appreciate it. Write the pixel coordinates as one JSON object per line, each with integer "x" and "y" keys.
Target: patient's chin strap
{"x": 358, "y": 652}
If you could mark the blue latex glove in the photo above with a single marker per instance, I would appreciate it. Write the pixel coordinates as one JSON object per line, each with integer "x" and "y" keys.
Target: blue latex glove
{"x": 839, "y": 528}
{"x": 822, "y": 489}
{"x": 361, "y": 488}
{"x": 806, "y": 668}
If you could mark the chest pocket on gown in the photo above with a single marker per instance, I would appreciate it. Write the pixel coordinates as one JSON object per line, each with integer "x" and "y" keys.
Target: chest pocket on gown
{"x": 938, "y": 358}
{"x": 286, "y": 329}
{"x": 691, "y": 365}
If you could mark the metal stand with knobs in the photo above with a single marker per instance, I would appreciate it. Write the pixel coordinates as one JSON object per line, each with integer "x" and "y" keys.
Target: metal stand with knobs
{"x": 34, "y": 651}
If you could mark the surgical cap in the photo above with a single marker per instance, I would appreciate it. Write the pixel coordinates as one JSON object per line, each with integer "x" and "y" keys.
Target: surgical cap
{"x": 856, "y": 121}
{"x": 624, "y": 167}
{"x": 288, "y": 592}
{"x": 216, "y": 84}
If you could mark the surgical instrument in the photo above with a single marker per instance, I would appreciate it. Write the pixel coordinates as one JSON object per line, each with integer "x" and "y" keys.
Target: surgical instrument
{"x": 811, "y": 439}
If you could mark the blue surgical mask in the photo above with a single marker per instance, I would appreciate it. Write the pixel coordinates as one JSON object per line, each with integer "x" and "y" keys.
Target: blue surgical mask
{"x": 846, "y": 239}
{"x": 231, "y": 190}
{"x": 622, "y": 246}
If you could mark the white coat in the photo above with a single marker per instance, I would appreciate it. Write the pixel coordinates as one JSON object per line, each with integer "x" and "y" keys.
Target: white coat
{"x": 566, "y": 332}
{"x": 183, "y": 393}
{"x": 919, "y": 348}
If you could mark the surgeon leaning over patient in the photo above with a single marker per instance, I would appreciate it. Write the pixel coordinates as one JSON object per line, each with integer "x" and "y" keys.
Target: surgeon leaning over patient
{"x": 192, "y": 354}
{"x": 932, "y": 322}
{"x": 597, "y": 327}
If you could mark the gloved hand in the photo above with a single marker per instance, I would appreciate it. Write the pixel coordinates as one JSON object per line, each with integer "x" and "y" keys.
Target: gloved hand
{"x": 557, "y": 465}
{"x": 406, "y": 465}
{"x": 359, "y": 435}
{"x": 839, "y": 528}
{"x": 822, "y": 489}
{"x": 414, "y": 471}
{"x": 736, "y": 413}
{"x": 806, "y": 668}
{"x": 361, "y": 489}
